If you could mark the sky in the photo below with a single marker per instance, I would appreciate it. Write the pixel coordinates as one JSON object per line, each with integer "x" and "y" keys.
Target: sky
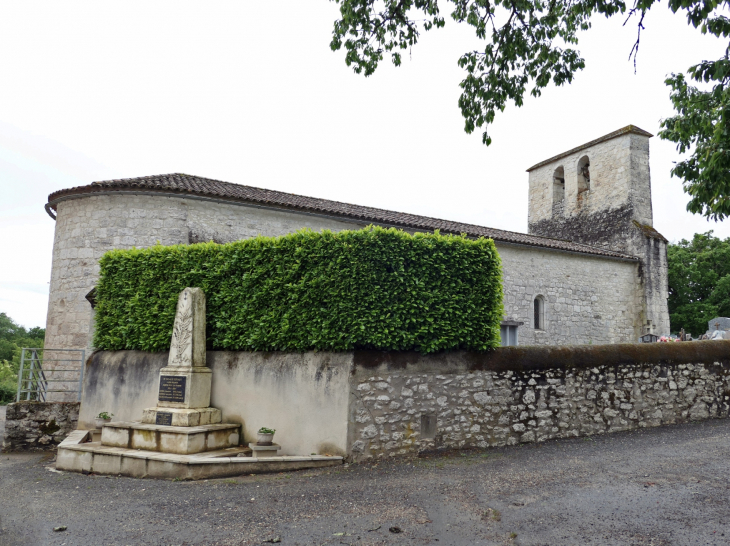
{"x": 250, "y": 92}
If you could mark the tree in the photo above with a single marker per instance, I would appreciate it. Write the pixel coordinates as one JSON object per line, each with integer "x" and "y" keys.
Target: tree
{"x": 699, "y": 282}
{"x": 529, "y": 44}
{"x": 13, "y": 337}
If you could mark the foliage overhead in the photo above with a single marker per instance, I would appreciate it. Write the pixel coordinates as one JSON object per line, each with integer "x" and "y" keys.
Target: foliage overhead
{"x": 530, "y": 43}
{"x": 373, "y": 288}
{"x": 699, "y": 282}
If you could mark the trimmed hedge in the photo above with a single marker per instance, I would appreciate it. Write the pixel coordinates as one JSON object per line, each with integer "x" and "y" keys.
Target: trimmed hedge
{"x": 372, "y": 288}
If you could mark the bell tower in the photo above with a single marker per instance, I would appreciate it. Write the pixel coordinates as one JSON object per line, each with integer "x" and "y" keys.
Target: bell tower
{"x": 599, "y": 194}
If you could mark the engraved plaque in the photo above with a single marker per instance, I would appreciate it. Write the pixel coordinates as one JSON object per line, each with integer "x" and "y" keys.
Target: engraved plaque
{"x": 172, "y": 388}
{"x": 163, "y": 418}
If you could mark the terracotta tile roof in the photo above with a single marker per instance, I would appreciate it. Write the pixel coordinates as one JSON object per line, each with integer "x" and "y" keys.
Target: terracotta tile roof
{"x": 185, "y": 184}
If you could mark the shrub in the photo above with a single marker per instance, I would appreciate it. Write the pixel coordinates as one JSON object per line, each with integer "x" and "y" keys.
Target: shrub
{"x": 373, "y": 288}
{"x": 7, "y": 393}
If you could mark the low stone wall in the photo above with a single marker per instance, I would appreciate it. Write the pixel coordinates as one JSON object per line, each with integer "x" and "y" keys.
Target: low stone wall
{"x": 369, "y": 404}
{"x": 38, "y": 426}
{"x": 403, "y": 403}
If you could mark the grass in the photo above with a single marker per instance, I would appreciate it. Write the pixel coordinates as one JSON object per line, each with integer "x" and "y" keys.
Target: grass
{"x": 493, "y": 514}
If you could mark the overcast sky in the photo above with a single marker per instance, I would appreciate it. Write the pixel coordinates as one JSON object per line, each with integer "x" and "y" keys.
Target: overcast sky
{"x": 249, "y": 92}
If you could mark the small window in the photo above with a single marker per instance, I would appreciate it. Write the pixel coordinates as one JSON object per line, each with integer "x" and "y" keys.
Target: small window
{"x": 508, "y": 332}
{"x": 584, "y": 174}
{"x": 539, "y": 310}
{"x": 558, "y": 186}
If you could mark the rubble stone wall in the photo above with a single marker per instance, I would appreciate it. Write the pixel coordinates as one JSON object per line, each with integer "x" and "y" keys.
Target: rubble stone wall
{"x": 404, "y": 404}
{"x": 38, "y": 426}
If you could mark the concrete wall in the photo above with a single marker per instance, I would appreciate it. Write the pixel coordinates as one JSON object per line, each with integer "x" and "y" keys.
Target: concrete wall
{"x": 587, "y": 299}
{"x": 533, "y": 394}
{"x": 304, "y": 396}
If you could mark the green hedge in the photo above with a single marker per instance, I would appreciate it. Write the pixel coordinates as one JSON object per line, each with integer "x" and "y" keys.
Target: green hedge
{"x": 372, "y": 288}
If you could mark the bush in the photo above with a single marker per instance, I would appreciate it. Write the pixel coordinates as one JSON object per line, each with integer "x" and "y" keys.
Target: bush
{"x": 372, "y": 288}
{"x": 7, "y": 393}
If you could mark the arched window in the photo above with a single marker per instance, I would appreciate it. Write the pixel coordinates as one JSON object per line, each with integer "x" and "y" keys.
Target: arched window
{"x": 584, "y": 174}
{"x": 558, "y": 186}
{"x": 539, "y": 313}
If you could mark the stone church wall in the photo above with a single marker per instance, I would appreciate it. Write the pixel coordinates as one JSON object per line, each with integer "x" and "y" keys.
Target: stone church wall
{"x": 586, "y": 299}
{"x": 88, "y": 227}
{"x": 619, "y": 180}
{"x": 614, "y": 213}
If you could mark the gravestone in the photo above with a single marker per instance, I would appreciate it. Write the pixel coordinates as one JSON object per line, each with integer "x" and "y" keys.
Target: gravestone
{"x": 184, "y": 389}
{"x": 718, "y": 323}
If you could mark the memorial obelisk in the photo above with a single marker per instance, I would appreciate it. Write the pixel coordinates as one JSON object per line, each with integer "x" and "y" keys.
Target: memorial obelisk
{"x": 183, "y": 398}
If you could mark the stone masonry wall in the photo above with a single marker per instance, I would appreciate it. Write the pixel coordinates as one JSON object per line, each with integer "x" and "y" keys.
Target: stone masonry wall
{"x": 615, "y": 213}
{"x": 554, "y": 396}
{"x": 38, "y": 426}
{"x": 620, "y": 178}
{"x": 88, "y": 227}
{"x": 586, "y": 300}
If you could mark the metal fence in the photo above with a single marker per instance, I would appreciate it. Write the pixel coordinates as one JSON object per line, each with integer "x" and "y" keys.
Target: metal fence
{"x": 39, "y": 375}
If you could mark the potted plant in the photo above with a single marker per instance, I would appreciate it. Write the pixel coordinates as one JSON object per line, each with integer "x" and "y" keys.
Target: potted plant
{"x": 265, "y": 436}
{"x": 103, "y": 418}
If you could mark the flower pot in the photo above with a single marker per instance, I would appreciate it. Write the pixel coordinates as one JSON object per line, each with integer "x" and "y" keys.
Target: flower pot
{"x": 264, "y": 439}
{"x": 99, "y": 422}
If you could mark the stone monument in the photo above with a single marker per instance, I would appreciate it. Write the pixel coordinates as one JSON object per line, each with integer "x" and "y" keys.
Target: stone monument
{"x": 183, "y": 398}
{"x": 183, "y": 421}
{"x": 181, "y": 437}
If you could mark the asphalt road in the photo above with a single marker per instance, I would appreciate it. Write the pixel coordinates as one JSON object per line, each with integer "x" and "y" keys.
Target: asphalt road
{"x": 658, "y": 487}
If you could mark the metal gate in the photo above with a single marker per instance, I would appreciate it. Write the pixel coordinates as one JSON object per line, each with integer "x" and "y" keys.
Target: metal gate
{"x": 38, "y": 375}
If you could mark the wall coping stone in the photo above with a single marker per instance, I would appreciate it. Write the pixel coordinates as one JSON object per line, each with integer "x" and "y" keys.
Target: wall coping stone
{"x": 547, "y": 357}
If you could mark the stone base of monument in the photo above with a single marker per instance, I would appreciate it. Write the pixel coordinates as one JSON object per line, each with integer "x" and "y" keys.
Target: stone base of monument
{"x": 170, "y": 439}
{"x": 181, "y": 417}
{"x": 78, "y": 453}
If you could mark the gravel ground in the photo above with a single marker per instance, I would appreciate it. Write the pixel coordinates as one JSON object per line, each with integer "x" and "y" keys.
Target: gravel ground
{"x": 657, "y": 487}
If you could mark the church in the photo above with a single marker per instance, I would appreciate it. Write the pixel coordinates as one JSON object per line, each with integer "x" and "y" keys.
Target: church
{"x": 590, "y": 270}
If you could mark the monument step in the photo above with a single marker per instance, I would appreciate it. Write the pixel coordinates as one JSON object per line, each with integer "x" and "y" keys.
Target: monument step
{"x": 169, "y": 439}
{"x": 77, "y": 454}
